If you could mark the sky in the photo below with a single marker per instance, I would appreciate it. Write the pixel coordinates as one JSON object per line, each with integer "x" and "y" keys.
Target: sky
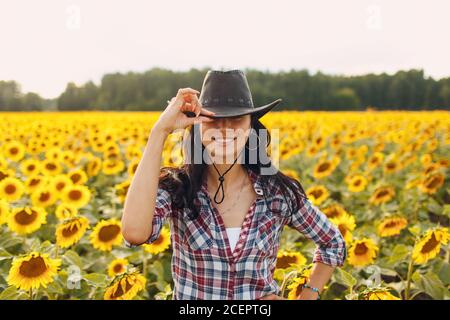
{"x": 47, "y": 43}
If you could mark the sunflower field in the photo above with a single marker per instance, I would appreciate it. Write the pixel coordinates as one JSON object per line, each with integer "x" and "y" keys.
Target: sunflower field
{"x": 381, "y": 177}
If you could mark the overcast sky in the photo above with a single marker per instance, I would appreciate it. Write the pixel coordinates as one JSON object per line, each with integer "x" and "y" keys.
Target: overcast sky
{"x": 47, "y": 43}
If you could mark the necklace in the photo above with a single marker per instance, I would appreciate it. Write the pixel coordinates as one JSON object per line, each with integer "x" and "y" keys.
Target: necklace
{"x": 237, "y": 198}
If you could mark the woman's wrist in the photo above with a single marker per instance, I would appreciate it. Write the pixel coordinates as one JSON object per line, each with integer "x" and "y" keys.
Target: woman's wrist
{"x": 314, "y": 291}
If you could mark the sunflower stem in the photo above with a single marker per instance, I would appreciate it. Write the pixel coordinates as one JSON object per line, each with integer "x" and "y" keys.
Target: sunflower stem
{"x": 408, "y": 278}
{"x": 144, "y": 262}
{"x": 285, "y": 280}
{"x": 31, "y": 294}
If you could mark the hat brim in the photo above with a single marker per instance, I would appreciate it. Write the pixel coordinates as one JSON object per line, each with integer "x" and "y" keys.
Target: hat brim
{"x": 230, "y": 111}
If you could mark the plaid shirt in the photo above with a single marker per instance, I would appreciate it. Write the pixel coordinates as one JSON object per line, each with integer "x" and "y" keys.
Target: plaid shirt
{"x": 205, "y": 267}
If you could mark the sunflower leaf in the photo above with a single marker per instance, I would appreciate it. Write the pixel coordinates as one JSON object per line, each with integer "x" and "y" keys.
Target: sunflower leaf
{"x": 399, "y": 253}
{"x": 5, "y": 255}
{"x": 96, "y": 279}
{"x": 72, "y": 258}
{"x": 430, "y": 284}
{"x": 343, "y": 277}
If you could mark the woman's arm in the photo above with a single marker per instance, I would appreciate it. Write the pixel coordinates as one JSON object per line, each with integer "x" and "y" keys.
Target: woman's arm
{"x": 320, "y": 275}
{"x": 140, "y": 201}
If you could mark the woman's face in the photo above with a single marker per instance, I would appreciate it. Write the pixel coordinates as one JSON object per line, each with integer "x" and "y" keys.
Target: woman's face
{"x": 224, "y": 138}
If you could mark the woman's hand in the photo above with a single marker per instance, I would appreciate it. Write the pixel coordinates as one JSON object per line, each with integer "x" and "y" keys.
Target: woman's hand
{"x": 173, "y": 118}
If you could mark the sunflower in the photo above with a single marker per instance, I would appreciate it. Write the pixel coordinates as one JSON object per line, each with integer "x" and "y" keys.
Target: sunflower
{"x": 377, "y": 294}
{"x": 78, "y": 176}
{"x": 432, "y": 183}
{"x": 106, "y": 234}
{"x": 429, "y": 245}
{"x": 286, "y": 260}
{"x": 4, "y": 211}
{"x": 51, "y": 167}
{"x": 357, "y": 183}
{"x": 296, "y": 287}
{"x": 161, "y": 244}
{"x": 65, "y": 211}
{"x": 382, "y": 195}
{"x": 334, "y": 210}
{"x": 131, "y": 169}
{"x": 24, "y": 220}
{"x": 32, "y": 271}
{"x": 346, "y": 224}
{"x": 362, "y": 252}
{"x": 317, "y": 194}
{"x": 59, "y": 183}
{"x": 375, "y": 160}
{"x": 93, "y": 166}
{"x": 325, "y": 168}
{"x": 34, "y": 182}
{"x": 11, "y": 189}
{"x": 43, "y": 197}
{"x": 391, "y": 226}
{"x": 117, "y": 266}
{"x": 76, "y": 195}
{"x": 71, "y": 231}
{"x": 122, "y": 190}
{"x": 30, "y": 167}
{"x": 14, "y": 150}
{"x": 112, "y": 166}
{"x": 125, "y": 286}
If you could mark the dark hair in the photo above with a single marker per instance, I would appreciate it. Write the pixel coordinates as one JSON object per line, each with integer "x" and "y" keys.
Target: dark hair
{"x": 185, "y": 181}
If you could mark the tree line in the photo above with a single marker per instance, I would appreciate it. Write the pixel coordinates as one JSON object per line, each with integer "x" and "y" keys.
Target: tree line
{"x": 299, "y": 89}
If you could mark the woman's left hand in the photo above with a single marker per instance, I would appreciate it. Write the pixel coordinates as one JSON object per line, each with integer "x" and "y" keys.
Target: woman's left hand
{"x": 307, "y": 295}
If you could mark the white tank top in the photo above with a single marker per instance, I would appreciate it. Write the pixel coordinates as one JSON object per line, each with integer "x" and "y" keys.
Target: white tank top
{"x": 233, "y": 236}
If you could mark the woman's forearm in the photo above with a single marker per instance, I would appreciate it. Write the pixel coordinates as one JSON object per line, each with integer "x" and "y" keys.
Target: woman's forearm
{"x": 320, "y": 275}
{"x": 140, "y": 201}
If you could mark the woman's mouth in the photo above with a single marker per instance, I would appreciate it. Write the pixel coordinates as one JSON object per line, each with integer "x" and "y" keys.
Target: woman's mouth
{"x": 224, "y": 141}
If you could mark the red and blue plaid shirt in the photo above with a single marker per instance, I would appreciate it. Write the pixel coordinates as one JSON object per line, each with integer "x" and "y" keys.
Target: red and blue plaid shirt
{"x": 205, "y": 267}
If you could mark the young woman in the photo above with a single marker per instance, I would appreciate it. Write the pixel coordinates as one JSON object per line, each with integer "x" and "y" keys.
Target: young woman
{"x": 225, "y": 215}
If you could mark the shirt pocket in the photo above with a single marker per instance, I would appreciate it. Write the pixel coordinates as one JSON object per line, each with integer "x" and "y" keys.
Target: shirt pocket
{"x": 197, "y": 233}
{"x": 266, "y": 230}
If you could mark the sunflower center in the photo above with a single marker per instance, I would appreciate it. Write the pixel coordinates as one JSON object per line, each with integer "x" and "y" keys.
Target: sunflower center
{"x": 391, "y": 224}
{"x": 45, "y": 196}
{"x": 360, "y": 249}
{"x": 75, "y": 194}
{"x": 34, "y": 182}
{"x": 10, "y": 188}
{"x": 357, "y": 182}
{"x": 60, "y": 185}
{"x": 31, "y": 167}
{"x": 23, "y": 218}
{"x": 430, "y": 244}
{"x": 382, "y": 193}
{"x": 50, "y": 166}
{"x": 284, "y": 262}
{"x": 107, "y": 233}
{"x": 70, "y": 231}
{"x": 75, "y": 177}
{"x": 33, "y": 267}
{"x": 118, "y": 268}
{"x": 323, "y": 167}
{"x": 433, "y": 183}
{"x": 13, "y": 150}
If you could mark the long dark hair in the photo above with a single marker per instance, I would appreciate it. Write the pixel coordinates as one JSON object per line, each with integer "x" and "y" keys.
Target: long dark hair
{"x": 185, "y": 181}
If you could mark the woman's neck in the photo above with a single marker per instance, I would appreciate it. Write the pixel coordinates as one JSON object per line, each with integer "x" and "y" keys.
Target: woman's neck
{"x": 231, "y": 179}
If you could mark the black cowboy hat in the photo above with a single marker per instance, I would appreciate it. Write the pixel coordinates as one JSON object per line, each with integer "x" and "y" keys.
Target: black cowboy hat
{"x": 227, "y": 93}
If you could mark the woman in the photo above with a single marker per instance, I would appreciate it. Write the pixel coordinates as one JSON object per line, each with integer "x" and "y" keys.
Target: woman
{"x": 227, "y": 204}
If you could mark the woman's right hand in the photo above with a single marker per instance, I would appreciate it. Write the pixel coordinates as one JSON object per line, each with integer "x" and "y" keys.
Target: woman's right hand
{"x": 173, "y": 118}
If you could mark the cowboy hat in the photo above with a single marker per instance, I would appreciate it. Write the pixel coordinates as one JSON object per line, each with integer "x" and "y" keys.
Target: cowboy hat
{"x": 227, "y": 94}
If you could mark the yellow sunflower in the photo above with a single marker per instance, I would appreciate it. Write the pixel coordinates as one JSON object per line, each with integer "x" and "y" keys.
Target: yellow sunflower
{"x": 317, "y": 194}
{"x": 161, "y": 244}
{"x": 112, "y": 166}
{"x": 34, "y": 182}
{"x": 24, "y": 220}
{"x": 432, "y": 183}
{"x": 334, "y": 210}
{"x": 106, "y": 234}
{"x": 429, "y": 245}
{"x": 291, "y": 173}
{"x": 357, "y": 183}
{"x": 76, "y": 195}
{"x": 296, "y": 287}
{"x": 14, "y": 150}
{"x": 287, "y": 259}
{"x": 4, "y": 211}
{"x": 382, "y": 195}
{"x": 78, "y": 176}
{"x": 30, "y": 167}
{"x": 70, "y": 232}
{"x": 32, "y": 271}
{"x": 377, "y": 294}
{"x": 43, "y": 197}
{"x": 325, "y": 168}
{"x": 51, "y": 167}
{"x": 125, "y": 286}
{"x": 375, "y": 160}
{"x": 117, "y": 266}
{"x": 133, "y": 166}
{"x": 391, "y": 226}
{"x": 346, "y": 224}
{"x": 93, "y": 166}
{"x": 122, "y": 190}
{"x": 362, "y": 252}
{"x": 11, "y": 189}
{"x": 65, "y": 211}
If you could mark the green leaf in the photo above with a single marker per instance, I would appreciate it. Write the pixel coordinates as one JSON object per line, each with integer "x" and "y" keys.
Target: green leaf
{"x": 12, "y": 293}
{"x": 430, "y": 284}
{"x": 343, "y": 277}
{"x": 96, "y": 279}
{"x": 71, "y": 257}
{"x": 5, "y": 255}
{"x": 399, "y": 253}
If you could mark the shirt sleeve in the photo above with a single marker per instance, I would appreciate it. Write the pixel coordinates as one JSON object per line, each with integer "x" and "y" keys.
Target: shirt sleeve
{"x": 315, "y": 225}
{"x": 163, "y": 209}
